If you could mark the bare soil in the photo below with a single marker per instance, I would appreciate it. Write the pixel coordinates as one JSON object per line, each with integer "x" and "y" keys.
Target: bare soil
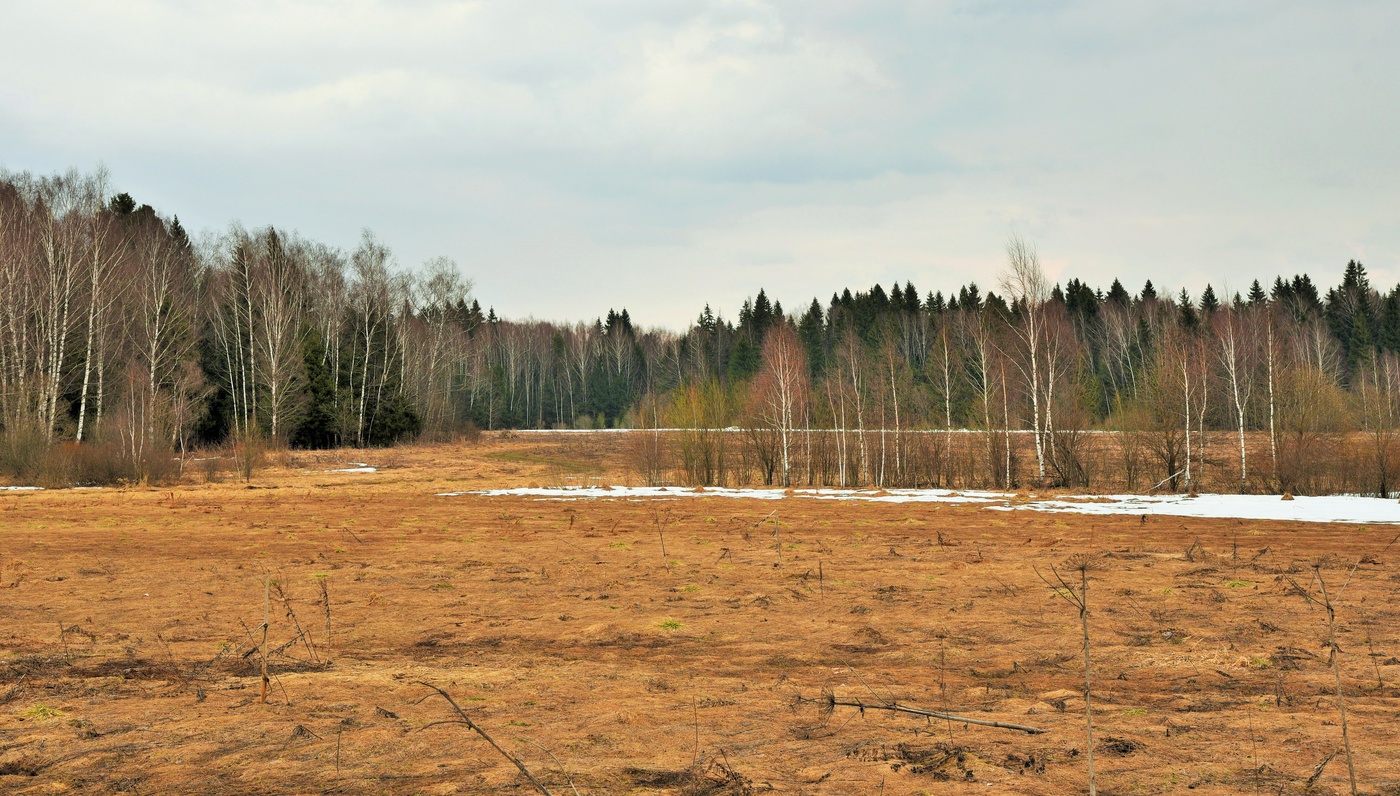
{"x": 129, "y": 630}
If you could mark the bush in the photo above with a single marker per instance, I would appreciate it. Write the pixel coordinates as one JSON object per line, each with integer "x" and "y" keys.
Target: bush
{"x": 28, "y": 457}
{"x": 246, "y": 451}
{"x": 25, "y": 454}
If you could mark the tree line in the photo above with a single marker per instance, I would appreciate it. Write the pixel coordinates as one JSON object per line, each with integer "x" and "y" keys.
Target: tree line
{"x": 121, "y": 334}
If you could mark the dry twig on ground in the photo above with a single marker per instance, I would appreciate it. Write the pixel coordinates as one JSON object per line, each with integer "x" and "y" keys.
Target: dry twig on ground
{"x": 466, "y": 721}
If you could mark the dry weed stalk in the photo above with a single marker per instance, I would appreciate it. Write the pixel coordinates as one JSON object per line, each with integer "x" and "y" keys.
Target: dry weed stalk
{"x": 1082, "y": 564}
{"x": 267, "y": 615}
{"x": 292, "y": 615}
{"x": 567, "y": 776}
{"x": 661, "y": 522}
{"x": 777, "y": 532}
{"x": 1328, "y": 602}
{"x": 466, "y": 721}
{"x": 326, "y": 604}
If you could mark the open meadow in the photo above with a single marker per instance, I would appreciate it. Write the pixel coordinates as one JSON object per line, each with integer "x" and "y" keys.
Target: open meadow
{"x": 687, "y": 645}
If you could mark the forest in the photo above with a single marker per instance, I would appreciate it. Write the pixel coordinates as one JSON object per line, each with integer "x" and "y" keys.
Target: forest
{"x": 125, "y": 345}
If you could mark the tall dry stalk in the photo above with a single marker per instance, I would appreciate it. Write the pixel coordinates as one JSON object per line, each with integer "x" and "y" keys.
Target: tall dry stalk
{"x": 1328, "y": 602}
{"x": 1332, "y": 651}
{"x": 326, "y": 604}
{"x": 267, "y": 615}
{"x": 1078, "y": 596}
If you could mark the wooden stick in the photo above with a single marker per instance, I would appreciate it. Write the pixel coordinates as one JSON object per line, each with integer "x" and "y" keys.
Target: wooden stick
{"x": 833, "y": 702}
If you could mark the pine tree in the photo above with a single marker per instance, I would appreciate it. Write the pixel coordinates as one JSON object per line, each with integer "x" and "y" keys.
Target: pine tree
{"x": 969, "y": 298}
{"x": 178, "y": 234}
{"x": 811, "y": 331}
{"x": 122, "y": 205}
{"x": 1149, "y": 293}
{"x": 911, "y": 299}
{"x": 1187, "y": 311}
{"x": 1305, "y": 294}
{"x": 1080, "y": 300}
{"x": 743, "y": 360}
{"x": 318, "y": 427}
{"x": 762, "y": 316}
{"x": 1209, "y": 303}
{"x": 1388, "y": 336}
{"x": 1349, "y": 313}
{"x": 1257, "y": 296}
{"x": 1119, "y": 294}
{"x": 1354, "y": 279}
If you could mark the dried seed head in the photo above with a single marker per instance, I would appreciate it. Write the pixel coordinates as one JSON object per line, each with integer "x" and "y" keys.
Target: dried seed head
{"x": 1084, "y": 562}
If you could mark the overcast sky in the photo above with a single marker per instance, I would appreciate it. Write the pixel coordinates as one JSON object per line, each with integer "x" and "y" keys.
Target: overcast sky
{"x": 573, "y": 155}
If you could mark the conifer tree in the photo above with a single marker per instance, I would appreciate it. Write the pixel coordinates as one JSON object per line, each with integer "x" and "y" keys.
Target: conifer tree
{"x": 1118, "y": 294}
{"x": 1209, "y": 303}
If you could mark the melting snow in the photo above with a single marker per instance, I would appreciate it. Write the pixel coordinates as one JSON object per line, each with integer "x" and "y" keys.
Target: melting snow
{"x": 356, "y": 467}
{"x": 673, "y": 492}
{"x": 1337, "y": 508}
{"x": 1329, "y": 508}
{"x": 20, "y": 488}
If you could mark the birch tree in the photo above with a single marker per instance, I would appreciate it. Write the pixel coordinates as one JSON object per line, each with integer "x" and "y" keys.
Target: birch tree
{"x": 1024, "y": 281}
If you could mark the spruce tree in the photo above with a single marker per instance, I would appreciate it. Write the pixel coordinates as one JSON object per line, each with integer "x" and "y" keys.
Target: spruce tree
{"x": 122, "y": 205}
{"x": 811, "y": 331}
{"x": 1388, "y": 336}
{"x": 969, "y": 297}
{"x": 762, "y": 315}
{"x": 1209, "y": 303}
{"x": 318, "y": 427}
{"x": 1187, "y": 311}
{"x": 1305, "y": 294}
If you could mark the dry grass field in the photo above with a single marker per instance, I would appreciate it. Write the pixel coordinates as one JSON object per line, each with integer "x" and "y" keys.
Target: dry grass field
{"x": 129, "y": 625}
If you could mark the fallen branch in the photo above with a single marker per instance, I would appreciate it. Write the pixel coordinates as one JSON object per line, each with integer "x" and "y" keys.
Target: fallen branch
{"x": 830, "y": 702}
{"x": 464, "y": 719}
{"x": 1319, "y": 768}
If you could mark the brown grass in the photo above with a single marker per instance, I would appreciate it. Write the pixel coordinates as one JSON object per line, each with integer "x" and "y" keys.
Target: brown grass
{"x": 131, "y": 625}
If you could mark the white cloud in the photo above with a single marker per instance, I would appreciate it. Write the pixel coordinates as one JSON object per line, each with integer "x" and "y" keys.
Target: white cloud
{"x": 660, "y": 153}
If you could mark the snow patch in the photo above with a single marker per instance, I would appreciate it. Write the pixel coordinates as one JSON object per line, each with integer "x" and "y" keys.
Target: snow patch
{"x": 1334, "y": 508}
{"x": 1328, "y": 508}
{"x": 20, "y": 488}
{"x": 356, "y": 467}
{"x": 674, "y": 492}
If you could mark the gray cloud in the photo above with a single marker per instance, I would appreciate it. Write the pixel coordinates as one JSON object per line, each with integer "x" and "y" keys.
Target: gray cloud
{"x": 573, "y": 155}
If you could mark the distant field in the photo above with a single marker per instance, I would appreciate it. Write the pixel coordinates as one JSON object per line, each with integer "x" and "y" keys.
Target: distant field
{"x": 131, "y": 627}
